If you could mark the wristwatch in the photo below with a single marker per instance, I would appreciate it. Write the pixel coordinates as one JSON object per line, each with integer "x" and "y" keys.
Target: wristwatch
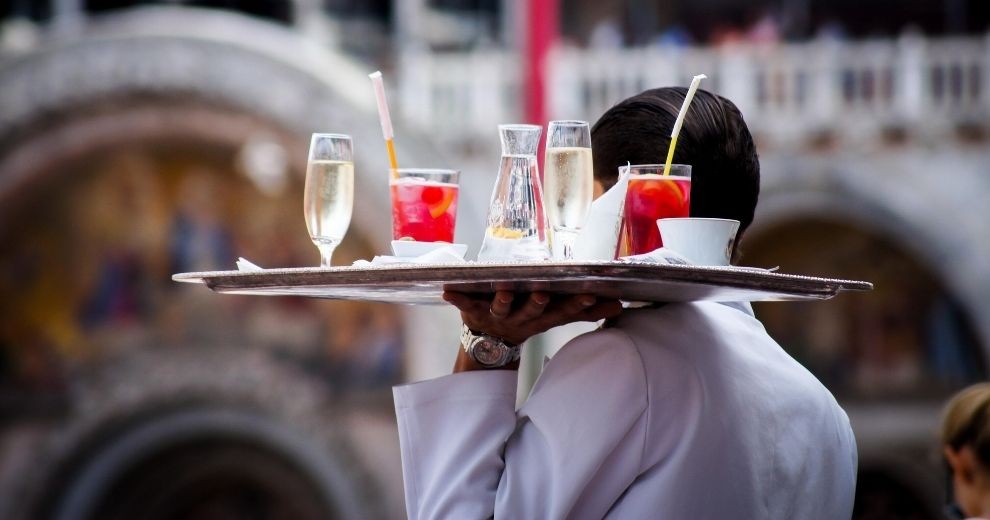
{"x": 487, "y": 351}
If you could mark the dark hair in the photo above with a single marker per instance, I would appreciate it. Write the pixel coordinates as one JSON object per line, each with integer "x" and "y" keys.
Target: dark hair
{"x": 714, "y": 140}
{"x": 966, "y": 422}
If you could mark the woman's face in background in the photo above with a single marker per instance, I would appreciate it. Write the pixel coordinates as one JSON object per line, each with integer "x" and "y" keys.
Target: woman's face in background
{"x": 970, "y": 481}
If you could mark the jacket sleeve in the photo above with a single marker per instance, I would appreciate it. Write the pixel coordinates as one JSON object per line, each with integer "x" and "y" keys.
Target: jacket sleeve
{"x": 572, "y": 449}
{"x": 452, "y": 431}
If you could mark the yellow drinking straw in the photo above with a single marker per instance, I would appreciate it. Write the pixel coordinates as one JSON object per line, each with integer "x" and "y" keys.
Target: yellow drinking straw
{"x": 386, "y": 120}
{"x": 680, "y": 120}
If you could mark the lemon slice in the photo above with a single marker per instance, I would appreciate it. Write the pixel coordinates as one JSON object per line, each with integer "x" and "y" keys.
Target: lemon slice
{"x": 502, "y": 232}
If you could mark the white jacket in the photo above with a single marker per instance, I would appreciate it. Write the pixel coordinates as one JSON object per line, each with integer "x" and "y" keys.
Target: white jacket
{"x": 688, "y": 411}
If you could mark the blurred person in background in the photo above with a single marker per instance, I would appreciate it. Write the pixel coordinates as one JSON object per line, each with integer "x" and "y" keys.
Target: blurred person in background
{"x": 200, "y": 238}
{"x": 966, "y": 446}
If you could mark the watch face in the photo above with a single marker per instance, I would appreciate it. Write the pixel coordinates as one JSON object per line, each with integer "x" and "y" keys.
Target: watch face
{"x": 488, "y": 352}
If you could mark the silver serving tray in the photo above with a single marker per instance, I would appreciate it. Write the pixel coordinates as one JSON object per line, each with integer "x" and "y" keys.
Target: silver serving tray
{"x": 424, "y": 284}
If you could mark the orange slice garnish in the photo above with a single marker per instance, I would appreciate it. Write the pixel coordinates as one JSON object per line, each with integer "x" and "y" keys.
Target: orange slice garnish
{"x": 440, "y": 207}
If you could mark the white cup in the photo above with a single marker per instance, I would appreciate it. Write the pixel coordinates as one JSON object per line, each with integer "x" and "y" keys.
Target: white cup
{"x": 703, "y": 241}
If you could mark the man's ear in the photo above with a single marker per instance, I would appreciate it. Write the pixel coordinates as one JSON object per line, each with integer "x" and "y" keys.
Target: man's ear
{"x": 962, "y": 462}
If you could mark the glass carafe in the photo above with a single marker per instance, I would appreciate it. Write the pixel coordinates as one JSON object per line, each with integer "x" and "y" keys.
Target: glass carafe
{"x": 517, "y": 225}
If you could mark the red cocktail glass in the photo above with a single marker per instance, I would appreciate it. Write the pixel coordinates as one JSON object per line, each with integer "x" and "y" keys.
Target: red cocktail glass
{"x": 424, "y": 204}
{"x": 651, "y": 195}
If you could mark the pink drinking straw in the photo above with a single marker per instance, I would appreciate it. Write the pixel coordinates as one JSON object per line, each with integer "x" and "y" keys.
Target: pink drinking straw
{"x": 386, "y": 120}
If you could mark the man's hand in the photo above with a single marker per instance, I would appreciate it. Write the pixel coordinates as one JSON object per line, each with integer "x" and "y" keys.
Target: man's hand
{"x": 516, "y": 317}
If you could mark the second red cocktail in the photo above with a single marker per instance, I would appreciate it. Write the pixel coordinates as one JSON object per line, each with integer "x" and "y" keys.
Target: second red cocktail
{"x": 651, "y": 195}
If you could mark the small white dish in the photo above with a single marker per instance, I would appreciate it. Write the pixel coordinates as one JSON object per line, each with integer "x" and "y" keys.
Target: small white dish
{"x": 412, "y": 249}
{"x": 703, "y": 241}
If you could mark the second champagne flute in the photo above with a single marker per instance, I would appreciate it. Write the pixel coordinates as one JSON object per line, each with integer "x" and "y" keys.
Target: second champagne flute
{"x": 329, "y": 196}
{"x": 569, "y": 183}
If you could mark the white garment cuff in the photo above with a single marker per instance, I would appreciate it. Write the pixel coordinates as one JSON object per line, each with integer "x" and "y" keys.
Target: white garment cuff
{"x": 471, "y": 385}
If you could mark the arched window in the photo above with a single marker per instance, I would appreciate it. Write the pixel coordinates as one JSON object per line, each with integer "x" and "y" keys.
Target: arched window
{"x": 87, "y": 268}
{"x": 909, "y": 338}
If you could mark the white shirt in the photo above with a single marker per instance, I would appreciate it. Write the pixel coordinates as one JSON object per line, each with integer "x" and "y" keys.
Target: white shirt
{"x": 686, "y": 411}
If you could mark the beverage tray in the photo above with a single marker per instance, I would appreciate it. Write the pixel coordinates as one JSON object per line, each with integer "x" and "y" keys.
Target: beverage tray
{"x": 424, "y": 284}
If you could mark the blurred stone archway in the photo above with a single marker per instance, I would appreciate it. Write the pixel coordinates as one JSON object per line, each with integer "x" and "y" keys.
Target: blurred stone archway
{"x": 927, "y": 201}
{"x": 228, "y": 101}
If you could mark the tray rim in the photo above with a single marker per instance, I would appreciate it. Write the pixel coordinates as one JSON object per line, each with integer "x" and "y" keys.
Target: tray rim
{"x": 404, "y": 274}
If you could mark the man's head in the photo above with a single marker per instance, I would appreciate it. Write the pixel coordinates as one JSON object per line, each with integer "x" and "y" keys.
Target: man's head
{"x": 715, "y": 141}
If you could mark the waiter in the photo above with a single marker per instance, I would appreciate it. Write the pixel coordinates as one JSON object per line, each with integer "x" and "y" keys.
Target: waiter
{"x": 682, "y": 411}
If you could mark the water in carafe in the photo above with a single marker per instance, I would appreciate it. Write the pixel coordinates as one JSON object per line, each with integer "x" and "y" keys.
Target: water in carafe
{"x": 517, "y": 225}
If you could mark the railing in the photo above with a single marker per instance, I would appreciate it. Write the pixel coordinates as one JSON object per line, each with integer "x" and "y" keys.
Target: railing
{"x": 786, "y": 92}
{"x": 459, "y": 97}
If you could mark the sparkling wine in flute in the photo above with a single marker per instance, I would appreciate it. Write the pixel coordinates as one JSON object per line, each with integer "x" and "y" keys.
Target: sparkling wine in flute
{"x": 569, "y": 185}
{"x": 328, "y": 202}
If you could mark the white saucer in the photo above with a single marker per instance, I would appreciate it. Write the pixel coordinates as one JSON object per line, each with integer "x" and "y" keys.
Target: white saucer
{"x": 412, "y": 249}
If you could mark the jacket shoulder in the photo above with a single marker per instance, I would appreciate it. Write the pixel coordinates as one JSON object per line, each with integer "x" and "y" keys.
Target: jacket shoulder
{"x": 600, "y": 372}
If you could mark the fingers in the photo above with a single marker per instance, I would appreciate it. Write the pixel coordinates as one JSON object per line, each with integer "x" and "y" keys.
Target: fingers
{"x": 583, "y": 307}
{"x": 454, "y": 298}
{"x": 577, "y": 304}
{"x": 533, "y": 308}
{"x": 465, "y": 303}
{"x": 517, "y": 317}
{"x": 538, "y": 305}
{"x": 502, "y": 304}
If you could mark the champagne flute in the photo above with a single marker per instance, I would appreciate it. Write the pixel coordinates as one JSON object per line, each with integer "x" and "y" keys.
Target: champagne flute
{"x": 329, "y": 196}
{"x": 569, "y": 181}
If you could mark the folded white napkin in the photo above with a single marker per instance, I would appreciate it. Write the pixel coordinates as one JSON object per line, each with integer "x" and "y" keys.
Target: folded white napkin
{"x": 600, "y": 235}
{"x": 443, "y": 255}
{"x": 667, "y": 256}
{"x": 662, "y": 255}
{"x": 245, "y": 265}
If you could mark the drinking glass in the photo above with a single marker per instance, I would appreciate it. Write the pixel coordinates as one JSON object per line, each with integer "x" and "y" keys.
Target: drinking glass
{"x": 569, "y": 183}
{"x": 424, "y": 204}
{"x": 329, "y": 196}
{"x": 651, "y": 196}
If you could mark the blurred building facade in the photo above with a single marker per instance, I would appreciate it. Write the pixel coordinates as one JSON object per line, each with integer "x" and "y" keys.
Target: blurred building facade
{"x": 138, "y": 140}
{"x": 141, "y": 141}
